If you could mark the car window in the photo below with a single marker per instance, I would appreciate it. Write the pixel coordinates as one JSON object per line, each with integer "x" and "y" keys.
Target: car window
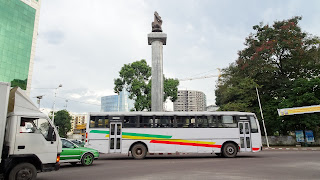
{"x": 66, "y": 144}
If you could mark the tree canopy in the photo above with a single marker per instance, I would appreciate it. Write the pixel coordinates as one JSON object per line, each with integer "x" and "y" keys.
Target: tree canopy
{"x": 136, "y": 79}
{"x": 62, "y": 119}
{"x": 283, "y": 62}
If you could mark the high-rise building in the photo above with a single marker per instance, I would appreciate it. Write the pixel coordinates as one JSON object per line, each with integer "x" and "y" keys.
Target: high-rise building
{"x": 109, "y": 103}
{"x": 190, "y": 101}
{"x": 117, "y": 103}
{"x": 19, "y": 21}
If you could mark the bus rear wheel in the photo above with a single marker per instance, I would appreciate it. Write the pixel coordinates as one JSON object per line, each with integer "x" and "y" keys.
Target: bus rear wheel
{"x": 229, "y": 150}
{"x": 139, "y": 151}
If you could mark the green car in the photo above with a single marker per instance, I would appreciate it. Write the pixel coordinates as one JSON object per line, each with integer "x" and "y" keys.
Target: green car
{"x": 74, "y": 154}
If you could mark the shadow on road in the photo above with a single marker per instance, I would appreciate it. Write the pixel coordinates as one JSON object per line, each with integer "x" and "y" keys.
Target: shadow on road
{"x": 178, "y": 157}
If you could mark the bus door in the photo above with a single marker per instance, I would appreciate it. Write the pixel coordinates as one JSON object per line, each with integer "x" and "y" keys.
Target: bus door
{"x": 245, "y": 136}
{"x": 115, "y": 136}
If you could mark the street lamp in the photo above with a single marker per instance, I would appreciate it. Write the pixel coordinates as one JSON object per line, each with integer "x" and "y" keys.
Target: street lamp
{"x": 39, "y": 98}
{"x": 54, "y": 101}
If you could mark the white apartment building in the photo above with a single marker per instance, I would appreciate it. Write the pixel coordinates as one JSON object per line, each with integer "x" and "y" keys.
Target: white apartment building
{"x": 77, "y": 121}
{"x": 189, "y": 100}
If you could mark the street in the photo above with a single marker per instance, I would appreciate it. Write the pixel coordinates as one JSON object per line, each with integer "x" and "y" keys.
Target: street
{"x": 262, "y": 165}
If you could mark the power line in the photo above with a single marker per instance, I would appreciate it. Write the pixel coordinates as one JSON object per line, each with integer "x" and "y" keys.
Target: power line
{"x": 202, "y": 77}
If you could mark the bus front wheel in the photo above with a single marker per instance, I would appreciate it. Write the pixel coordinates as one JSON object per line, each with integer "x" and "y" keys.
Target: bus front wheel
{"x": 139, "y": 151}
{"x": 229, "y": 150}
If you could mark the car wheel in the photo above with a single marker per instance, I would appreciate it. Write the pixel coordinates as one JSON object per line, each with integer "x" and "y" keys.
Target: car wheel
{"x": 229, "y": 150}
{"x": 23, "y": 171}
{"x": 139, "y": 151}
{"x": 87, "y": 159}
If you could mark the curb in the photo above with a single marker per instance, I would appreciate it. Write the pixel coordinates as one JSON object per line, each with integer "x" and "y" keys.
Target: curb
{"x": 291, "y": 149}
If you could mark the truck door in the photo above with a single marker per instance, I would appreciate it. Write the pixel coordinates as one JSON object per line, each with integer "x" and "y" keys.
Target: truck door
{"x": 32, "y": 137}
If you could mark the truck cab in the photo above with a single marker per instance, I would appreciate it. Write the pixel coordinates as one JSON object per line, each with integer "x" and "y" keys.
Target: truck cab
{"x": 30, "y": 143}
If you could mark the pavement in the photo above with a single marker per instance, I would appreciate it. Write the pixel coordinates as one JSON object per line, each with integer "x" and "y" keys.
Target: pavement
{"x": 290, "y": 148}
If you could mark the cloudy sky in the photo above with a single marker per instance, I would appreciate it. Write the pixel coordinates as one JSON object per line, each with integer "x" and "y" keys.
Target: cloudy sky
{"x": 83, "y": 44}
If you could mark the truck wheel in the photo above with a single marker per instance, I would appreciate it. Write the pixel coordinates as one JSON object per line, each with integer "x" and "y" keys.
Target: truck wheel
{"x": 23, "y": 171}
{"x": 139, "y": 151}
{"x": 87, "y": 159}
{"x": 229, "y": 150}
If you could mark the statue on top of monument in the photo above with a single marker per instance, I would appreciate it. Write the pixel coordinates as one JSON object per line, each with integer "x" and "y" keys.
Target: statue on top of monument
{"x": 156, "y": 24}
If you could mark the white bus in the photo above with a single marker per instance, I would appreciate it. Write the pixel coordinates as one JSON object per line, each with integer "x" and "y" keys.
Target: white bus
{"x": 143, "y": 133}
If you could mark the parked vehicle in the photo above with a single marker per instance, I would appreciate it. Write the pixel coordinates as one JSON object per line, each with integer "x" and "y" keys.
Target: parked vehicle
{"x": 74, "y": 154}
{"x": 29, "y": 142}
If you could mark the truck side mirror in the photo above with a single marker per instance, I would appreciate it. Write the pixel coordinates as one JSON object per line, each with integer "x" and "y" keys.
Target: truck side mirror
{"x": 50, "y": 134}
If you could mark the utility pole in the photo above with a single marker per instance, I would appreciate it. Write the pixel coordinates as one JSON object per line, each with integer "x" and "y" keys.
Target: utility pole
{"x": 264, "y": 126}
{"x": 54, "y": 101}
{"x": 66, "y": 104}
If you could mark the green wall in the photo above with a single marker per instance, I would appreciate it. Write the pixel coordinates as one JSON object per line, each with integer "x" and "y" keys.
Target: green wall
{"x": 16, "y": 32}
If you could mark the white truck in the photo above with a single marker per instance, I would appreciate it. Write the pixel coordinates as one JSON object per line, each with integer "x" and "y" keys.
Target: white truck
{"x": 29, "y": 142}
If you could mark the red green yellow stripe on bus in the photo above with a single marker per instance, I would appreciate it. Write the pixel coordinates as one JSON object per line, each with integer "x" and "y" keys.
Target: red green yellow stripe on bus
{"x": 187, "y": 143}
{"x": 161, "y": 139}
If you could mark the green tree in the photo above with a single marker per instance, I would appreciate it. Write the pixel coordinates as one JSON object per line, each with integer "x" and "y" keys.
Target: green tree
{"x": 62, "y": 119}
{"x": 136, "y": 79}
{"x": 276, "y": 59}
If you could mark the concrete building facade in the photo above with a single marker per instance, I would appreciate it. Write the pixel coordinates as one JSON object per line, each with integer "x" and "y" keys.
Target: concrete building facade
{"x": 189, "y": 100}
{"x": 19, "y": 22}
{"x": 117, "y": 103}
{"x": 78, "y": 126}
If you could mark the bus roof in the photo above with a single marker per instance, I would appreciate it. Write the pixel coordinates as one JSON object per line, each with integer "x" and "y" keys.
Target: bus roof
{"x": 178, "y": 113}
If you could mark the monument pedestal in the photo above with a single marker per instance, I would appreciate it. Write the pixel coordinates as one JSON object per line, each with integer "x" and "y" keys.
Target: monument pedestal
{"x": 157, "y": 40}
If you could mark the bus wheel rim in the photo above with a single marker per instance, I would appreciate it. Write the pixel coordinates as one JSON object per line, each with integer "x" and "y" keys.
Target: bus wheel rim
{"x": 230, "y": 150}
{"x": 139, "y": 151}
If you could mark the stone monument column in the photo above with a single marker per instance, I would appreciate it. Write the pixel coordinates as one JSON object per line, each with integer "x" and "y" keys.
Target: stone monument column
{"x": 157, "y": 39}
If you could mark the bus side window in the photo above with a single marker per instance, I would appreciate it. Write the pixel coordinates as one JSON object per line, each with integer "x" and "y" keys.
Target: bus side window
{"x": 202, "y": 122}
{"x": 227, "y": 121}
{"x": 96, "y": 121}
{"x": 254, "y": 126}
{"x": 146, "y": 121}
{"x": 130, "y": 121}
{"x": 164, "y": 121}
{"x": 157, "y": 122}
{"x": 170, "y": 120}
{"x": 192, "y": 123}
{"x": 183, "y": 121}
{"x": 212, "y": 121}
{"x": 99, "y": 122}
{"x": 92, "y": 122}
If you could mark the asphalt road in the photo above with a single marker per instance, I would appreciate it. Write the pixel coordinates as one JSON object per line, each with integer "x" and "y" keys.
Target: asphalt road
{"x": 262, "y": 165}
